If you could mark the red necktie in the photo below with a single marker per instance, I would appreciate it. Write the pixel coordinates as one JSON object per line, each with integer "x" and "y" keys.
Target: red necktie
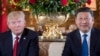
{"x": 15, "y": 46}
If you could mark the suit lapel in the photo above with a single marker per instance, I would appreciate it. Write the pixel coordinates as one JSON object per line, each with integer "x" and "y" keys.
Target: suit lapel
{"x": 78, "y": 42}
{"x": 23, "y": 42}
{"x": 8, "y": 43}
{"x": 93, "y": 40}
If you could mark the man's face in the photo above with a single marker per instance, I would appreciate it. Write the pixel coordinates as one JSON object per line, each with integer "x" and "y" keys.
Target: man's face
{"x": 84, "y": 21}
{"x": 16, "y": 25}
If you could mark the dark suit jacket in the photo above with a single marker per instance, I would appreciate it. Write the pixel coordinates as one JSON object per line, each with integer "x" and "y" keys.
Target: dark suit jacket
{"x": 0, "y": 47}
{"x": 73, "y": 44}
{"x": 28, "y": 44}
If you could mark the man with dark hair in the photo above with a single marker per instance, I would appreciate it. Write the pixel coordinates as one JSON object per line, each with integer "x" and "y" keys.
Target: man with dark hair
{"x": 85, "y": 9}
{"x": 85, "y": 41}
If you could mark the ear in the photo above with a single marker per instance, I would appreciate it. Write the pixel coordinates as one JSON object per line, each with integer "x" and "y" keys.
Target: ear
{"x": 24, "y": 22}
{"x": 93, "y": 19}
{"x": 75, "y": 20}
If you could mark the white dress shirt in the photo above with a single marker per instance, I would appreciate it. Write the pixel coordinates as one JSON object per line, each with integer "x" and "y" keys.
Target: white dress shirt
{"x": 87, "y": 38}
{"x": 14, "y": 37}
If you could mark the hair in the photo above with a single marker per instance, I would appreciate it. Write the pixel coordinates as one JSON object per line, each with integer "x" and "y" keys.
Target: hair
{"x": 84, "y": 9}
{"x": 16, "y": 15}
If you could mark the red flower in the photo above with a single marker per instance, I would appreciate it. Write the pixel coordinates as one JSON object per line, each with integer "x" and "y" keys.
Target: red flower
{"x": 16, "y": 1}
{"x": 12, "y": 6}
{"x": 84, "y": 5}
{"x": 76, "y": 1}
{"x": 89, "y": 2}
{"x": 63, "y": 2}
{"x": 31, "y": 1}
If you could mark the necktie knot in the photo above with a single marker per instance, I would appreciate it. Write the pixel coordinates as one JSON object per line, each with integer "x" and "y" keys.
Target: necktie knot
{"x": 85, "y": 35}
{"x": 17, "y": 37}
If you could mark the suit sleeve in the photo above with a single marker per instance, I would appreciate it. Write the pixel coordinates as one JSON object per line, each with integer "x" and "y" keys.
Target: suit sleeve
{"x": 0, "y": 46}
{"x": 67, "y": 48}
{"x": 0, "y": 50}
{"x": 34, "y": 47}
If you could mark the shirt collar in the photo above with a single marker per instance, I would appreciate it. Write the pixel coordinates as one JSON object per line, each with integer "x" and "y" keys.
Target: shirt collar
{"x": 88, "y": 33}
{"x": 14, "y": 36}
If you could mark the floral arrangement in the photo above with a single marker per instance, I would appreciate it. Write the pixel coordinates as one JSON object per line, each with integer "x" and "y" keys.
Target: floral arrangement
{"x": 49, "y": 6}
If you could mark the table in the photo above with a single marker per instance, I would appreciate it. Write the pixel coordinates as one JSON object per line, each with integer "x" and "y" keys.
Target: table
{"x": 51, "y": 48}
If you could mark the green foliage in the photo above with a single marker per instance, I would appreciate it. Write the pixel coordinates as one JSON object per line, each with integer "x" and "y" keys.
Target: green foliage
{"x": 50, "y": 6}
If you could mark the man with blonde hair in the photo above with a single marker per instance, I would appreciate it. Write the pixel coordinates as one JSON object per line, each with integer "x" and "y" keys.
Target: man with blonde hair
{"x": 18, "y": 41}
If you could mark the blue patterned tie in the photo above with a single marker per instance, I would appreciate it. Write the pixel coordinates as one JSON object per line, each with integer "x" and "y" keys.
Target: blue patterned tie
{"x": 84, "y": 46}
